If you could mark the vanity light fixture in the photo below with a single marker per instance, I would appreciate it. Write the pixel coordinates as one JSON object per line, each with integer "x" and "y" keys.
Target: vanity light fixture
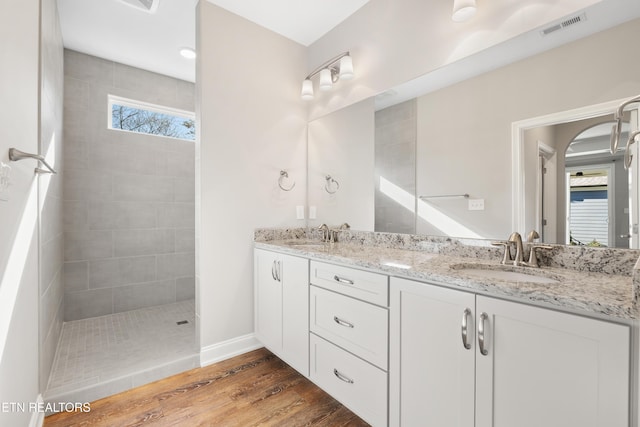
{"x": 338, "y": 68}
{"x": 463, "y": 10}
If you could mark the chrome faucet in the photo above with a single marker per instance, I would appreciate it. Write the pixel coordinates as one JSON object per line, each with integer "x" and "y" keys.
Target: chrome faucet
{"x": 334, "y": 233}
{"x": 325, "y": 232}
{"x": 506, "y": 255}
{"x": 517, "y": 239}
{"x": 533, "y": 256}
{"x": 533, "y": 235}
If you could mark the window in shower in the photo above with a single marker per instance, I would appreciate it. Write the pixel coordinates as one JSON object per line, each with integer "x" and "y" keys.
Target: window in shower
{"x": 136, "y": 116}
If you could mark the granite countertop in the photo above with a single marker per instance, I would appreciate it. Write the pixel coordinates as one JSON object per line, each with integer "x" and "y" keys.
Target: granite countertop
{"x": 611, "y": 295}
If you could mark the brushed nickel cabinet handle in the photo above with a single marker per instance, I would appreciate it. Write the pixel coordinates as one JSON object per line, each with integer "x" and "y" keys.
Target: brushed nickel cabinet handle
{"x": 341, "y": 322}
{"x": 342, "y": 377}
{"x": 483, "y": 350}
{"x": 343, "y": 280}
{"x": 465, "y": 316}
{"x": 279, "y": 271}
{"x": 273, "y": 270}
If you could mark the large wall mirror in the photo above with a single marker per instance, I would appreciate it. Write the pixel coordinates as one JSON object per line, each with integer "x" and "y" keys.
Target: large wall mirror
{"x": 444, "y": 162}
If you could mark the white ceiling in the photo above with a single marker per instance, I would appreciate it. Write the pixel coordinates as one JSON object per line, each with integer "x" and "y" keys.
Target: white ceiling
{"x": 303, "y": 21}
{"x": 113, "y": 30}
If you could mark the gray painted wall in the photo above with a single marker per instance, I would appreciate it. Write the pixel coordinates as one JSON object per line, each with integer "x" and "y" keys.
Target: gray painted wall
{"x": 340, "y": 144}
{"x": 129, "y": 198}
{"x": 253, "y": 126}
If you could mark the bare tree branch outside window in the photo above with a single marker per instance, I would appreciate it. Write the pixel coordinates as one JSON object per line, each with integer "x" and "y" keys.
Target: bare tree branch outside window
{"x": 153, "y": 123}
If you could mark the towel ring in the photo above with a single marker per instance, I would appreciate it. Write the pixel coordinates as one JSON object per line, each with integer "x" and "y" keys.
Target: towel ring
{"x": 283, "y": 175}
{"x": 327, "y": 186}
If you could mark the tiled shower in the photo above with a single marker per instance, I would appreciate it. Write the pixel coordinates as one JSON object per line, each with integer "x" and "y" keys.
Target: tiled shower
{"x": 129, "y": 235}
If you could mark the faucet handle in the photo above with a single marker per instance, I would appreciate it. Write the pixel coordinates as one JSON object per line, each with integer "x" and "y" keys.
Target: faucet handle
{"x": 325, "y": 232}
{"x": 533, "y": 257}
{"x": 345, "y": 226}
{"x": 506, "y": 256}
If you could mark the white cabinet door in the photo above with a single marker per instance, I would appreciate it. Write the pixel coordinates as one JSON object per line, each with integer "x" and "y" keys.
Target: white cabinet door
{"x": 268, "y": 299}
{"x": 282, "y": 306}
{"x": 545, "y": 368}
{"x": 295, "y": 313}
{"x": 432, "y": 373}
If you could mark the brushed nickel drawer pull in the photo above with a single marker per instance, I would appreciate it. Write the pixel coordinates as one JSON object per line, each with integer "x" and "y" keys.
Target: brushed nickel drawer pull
{"x": 342, "y": 377}
{"x": 483, "y": 350}
{"x": 465, "y": 340}
{"x": 342, "y": 280}
{"x": 341, "y": 322}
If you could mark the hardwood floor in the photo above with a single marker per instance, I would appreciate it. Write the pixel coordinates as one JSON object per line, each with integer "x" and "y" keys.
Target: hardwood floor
{"x": 252, "y": 389}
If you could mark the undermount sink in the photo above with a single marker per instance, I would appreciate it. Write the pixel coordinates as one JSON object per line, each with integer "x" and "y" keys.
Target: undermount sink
{"x": 507, "y": 273}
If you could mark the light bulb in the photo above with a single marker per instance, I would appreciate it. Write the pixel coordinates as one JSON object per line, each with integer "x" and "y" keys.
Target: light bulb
{"x": 325, "y": 79}
{"x": 346, "y": 68}
{"x": 307, "y": 89}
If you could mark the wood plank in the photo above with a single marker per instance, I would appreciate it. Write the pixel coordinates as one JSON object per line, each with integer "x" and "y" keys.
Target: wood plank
{"x": 253, "y": 389}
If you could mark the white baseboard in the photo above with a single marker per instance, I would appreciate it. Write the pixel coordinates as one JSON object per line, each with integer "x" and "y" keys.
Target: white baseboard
{"x": 37, "y": 417}
{"x": 228, "y": 349}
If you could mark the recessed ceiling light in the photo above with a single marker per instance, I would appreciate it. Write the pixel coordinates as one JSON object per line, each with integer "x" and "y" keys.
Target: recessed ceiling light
{"x": 187, "y": 52}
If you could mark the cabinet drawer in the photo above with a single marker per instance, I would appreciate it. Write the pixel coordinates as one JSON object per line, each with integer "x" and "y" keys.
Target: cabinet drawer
{"x": 354, "y": 325}
{"x": 371, "y": 287}
{"x": 358, "y": 385}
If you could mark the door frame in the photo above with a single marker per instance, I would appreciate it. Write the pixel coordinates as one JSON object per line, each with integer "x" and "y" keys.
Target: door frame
{"x": 518, "y": 128}
{"x": 611, "y": 191}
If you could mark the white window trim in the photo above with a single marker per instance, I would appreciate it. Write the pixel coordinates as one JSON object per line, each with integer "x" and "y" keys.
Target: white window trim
{"x": 118, "y": 100}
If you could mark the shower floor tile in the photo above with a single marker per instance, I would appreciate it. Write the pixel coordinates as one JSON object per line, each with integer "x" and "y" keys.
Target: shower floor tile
{"x": 123, "y": 350}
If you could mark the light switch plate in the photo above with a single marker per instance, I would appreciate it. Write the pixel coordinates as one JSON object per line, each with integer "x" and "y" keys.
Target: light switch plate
{"x": 476, "y": 204}
{"x": 312, "y": 212}
{"x": 299, "y": 212}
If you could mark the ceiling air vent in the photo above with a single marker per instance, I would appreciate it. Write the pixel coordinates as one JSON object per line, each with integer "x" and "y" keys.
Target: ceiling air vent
{"x": 149, "y": 6}
{"x": 564, "y": 24}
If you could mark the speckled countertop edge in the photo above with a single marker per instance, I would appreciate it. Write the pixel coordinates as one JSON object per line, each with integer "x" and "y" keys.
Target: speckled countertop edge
{"x": 611, "y": 295}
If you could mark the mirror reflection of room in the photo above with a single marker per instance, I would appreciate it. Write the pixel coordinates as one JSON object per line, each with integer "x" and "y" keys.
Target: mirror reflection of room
{"x": 581, "y": 189}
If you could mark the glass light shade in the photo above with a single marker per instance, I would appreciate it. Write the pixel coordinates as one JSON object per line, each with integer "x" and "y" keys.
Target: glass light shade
{"x": 463, "y": 10}
{"x": 307, "y": 89}
{"x": 346, "y": 68}
{"x": 325, "y": 79}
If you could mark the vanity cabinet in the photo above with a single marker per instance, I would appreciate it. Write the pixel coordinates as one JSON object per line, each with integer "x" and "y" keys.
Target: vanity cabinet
{"x": 349, "y": 322}
{"x": 458, "y": 359}
{"x": 281, "y": 286}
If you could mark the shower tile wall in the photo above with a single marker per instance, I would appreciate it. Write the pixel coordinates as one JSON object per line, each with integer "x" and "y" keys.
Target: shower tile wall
{"x": 129, "y": 199}
{"x": 51, "y": 305}
{"x": 395, "y": 163}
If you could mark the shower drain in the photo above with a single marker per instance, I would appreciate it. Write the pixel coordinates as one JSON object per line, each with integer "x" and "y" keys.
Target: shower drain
{"x": 182, "y": 322}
